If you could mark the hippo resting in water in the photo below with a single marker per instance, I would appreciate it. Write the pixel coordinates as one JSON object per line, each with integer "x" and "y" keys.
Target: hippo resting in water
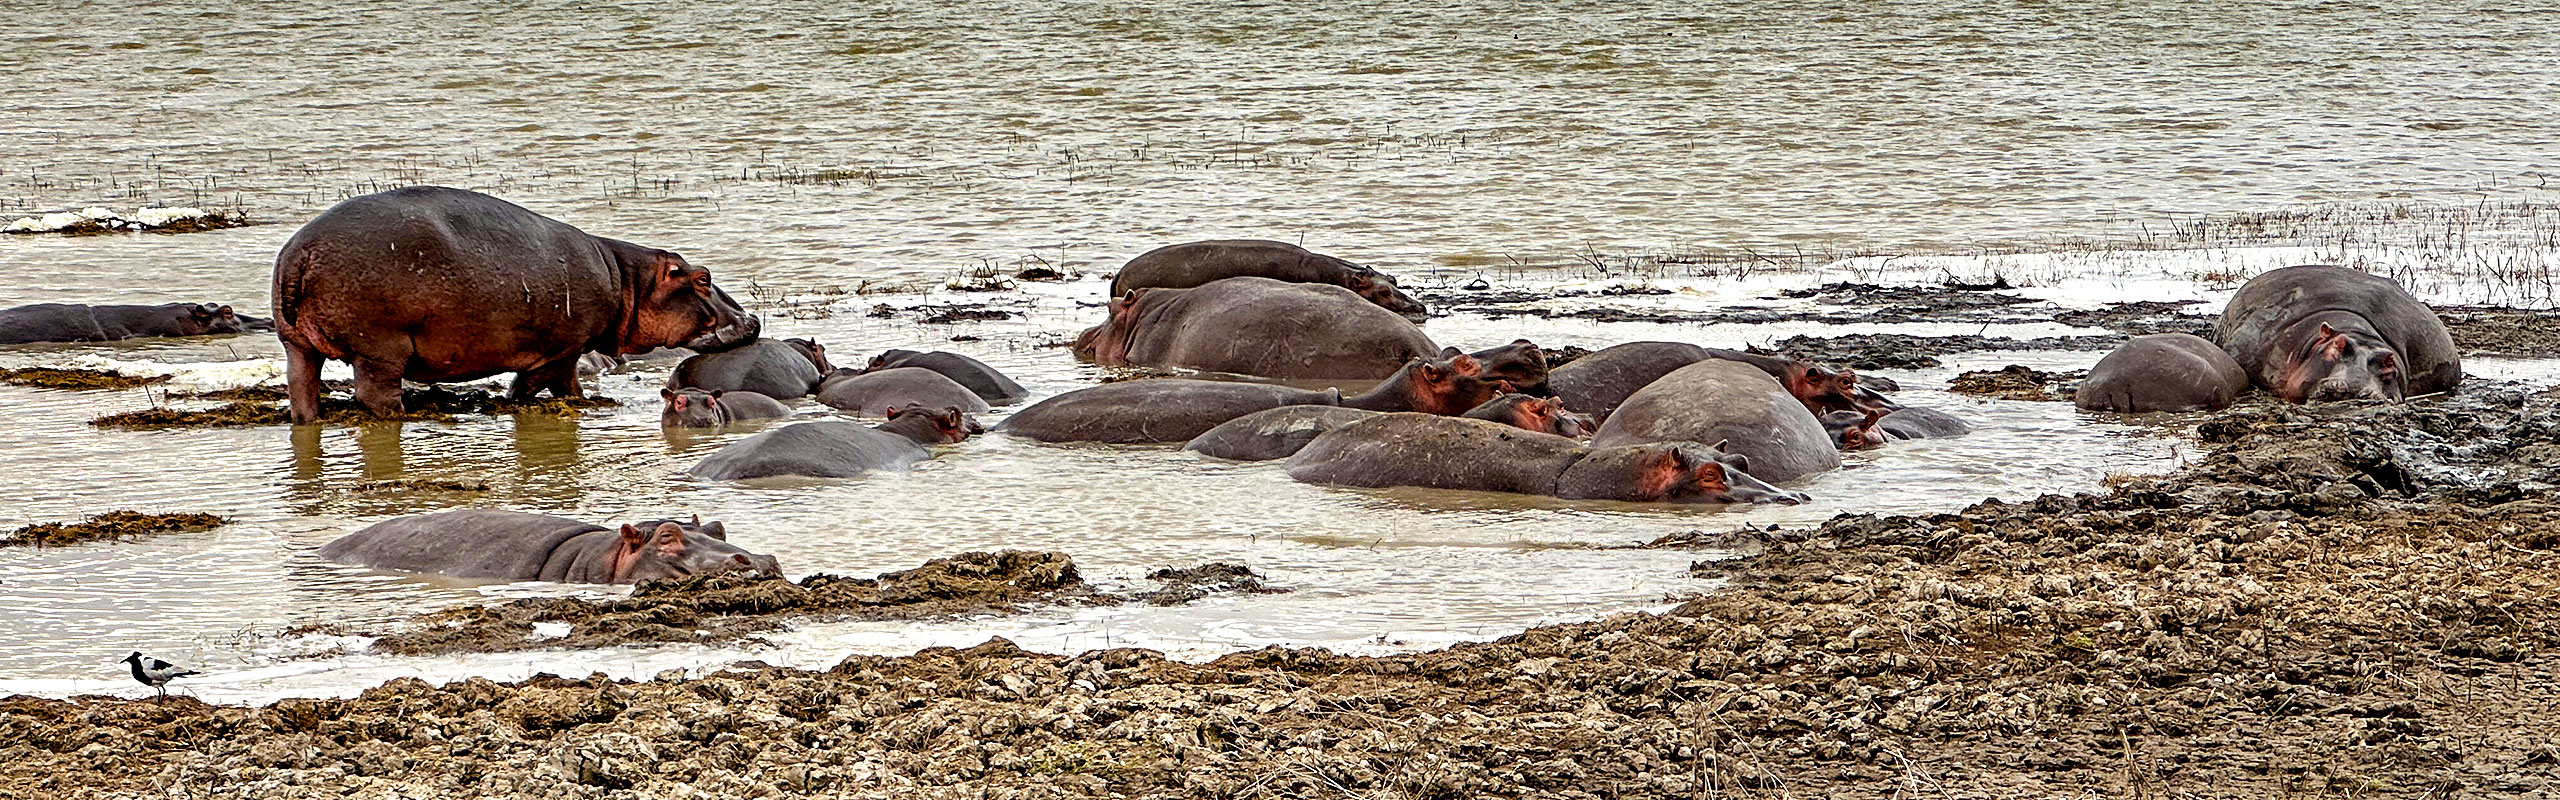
{"x": 991, "y": 385}
{"x": 835, "y": 449}
{"x": 1859, "y": 430}
{"x": 695, "y": 408}
{"x": 427, "y": 283}
{"x": 1178, "y": 410}
{"x": 1596, "y": 384}
{"x": 1717, "y": 400}
{"x": 1519, "y": 363}
{"x": 1282, "y": 432}
{"x": 781, "y": 369}
{"x": 876, "y": 392}
{"x": 1457, "y": 453}
{"x": 73, "y": 322}
{"x": 2163, "y": 372}
{"x": 1256, "y": 326}
{"x": 2329, "y": 333}
{"x": 516, "y": 546}
{"x": 1182, "y": 266}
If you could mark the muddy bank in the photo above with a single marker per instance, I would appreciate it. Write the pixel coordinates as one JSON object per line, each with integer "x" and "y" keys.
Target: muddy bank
{"x": 249, "y": 408}
{"x": 108, "y": 527}
{"x": 2349, "y": 600}
{"x": 2014, "y": 382}
{"x": 59, "y": 378}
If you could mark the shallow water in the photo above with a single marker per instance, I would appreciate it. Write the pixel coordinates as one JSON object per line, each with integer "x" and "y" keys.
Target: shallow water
{"x": 1438, "y": 142}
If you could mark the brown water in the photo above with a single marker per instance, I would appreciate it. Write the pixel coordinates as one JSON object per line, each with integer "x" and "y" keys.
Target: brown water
{"x": 802, "y": 148}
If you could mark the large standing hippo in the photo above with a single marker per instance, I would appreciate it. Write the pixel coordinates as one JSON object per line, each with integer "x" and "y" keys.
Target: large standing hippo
{"x": 516, "y": 546}
{"x": 778, "y": 368}
{"x": 2163, "y": 372}
{"x": 837, "y": 449}
{"x": 74, "y": 322}
{"x": 1281, "y": 432}
{"x": 695, "y": 408}
{"x": 1256, "y": 326}
{"x": 1179, "y": 410}
{"x": 427, "y": 283}
{"x": 2319, "y": 332}
{"x": 1519, "y": 363}
{"x": 1726, "y": 401}
{"x": 1457, "y": 453}
{"x": 991, "y": 385}
{"x": 874, "y": 393}
{"x": 1182, "y": 266}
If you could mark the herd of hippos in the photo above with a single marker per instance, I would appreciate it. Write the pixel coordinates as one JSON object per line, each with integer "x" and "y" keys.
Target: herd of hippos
{"x": 434, "y": 284}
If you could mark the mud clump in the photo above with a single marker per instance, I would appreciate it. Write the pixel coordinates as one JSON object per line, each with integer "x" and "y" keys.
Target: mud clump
{"x": 2014, "y": 382}
{"x": 235, "y": 415}
{"x": 2141, "y": 318}
{"x": 425, "y": 404}
{"x": 2503, "y": 332}
{"x": 57, "y": 378}
{"x": 1193, "y": 583}
{"x": 108, "y": 527}
{"x": 724, "y": 606}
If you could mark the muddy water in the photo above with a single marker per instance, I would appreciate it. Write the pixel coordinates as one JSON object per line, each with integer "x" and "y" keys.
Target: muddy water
{"x": 799, "y": 151}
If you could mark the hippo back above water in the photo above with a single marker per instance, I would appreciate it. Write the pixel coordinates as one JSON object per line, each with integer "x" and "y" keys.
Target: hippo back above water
{"x": 1183, "y": 266}
{"x": 2163, "y": 372}
{"x": 2319, "y": 332}
{"x": 991, "y": 385}
{"x": 74, "y": 322}
{"x": 837, "y": 449}
{"x": 432, "y": 284}
{"x": 1726, "y": 401}
{"x": 516, "y": 546}
{"x": 1179, "y": 410}
{"x": 1458, "y": 453}
{"x": 1256, "y": 326}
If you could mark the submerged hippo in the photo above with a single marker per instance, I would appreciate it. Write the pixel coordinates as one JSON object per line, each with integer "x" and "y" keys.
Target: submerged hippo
{"x": 1182, "y": 266}
{"x": 74, "y": 322}
{"x": 876, "y": 392}
{"x": 1256, "y": 326}
{"x": 1281, "y": 432}
{"x": 778, "y": 368}
{"x": 1519, "y": 363}
{"x": 2163, "y": 372}
{"x": 516, "y": 546}
{"x": 1854, "y": 430}
{"x": 1717, "y": 400}
{"x": 2330, "y": 333}
{"x": 695, "y": 408}
{"x": 991, "y": 385}
{"x": 427, "y": 283}
{"x": 1458, "y": 453}
{"x": 1859, "y": 430}
{"x": 1179, "y": 410}
{"x": 836, "y": 449}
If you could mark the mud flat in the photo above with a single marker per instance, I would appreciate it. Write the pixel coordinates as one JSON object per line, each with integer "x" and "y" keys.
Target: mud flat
{"x": 2348, "y": 600}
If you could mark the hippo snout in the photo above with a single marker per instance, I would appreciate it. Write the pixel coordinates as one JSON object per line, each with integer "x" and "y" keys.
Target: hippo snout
{"x": 736, "y": 333}
{"x": 1782, "y": 498}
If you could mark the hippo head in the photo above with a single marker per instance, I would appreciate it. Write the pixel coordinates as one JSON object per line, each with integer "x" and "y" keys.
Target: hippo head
{"x": 949, "y": 425}
{"x": 1376, "y": 287}
{"x": 2344, "y": 365}
{"x": 1668, "y": 472}
{"x": 666, "y": 550}
{"x": 1446, "y": 387}
{"x": 207, "y": 318}
{"x": 1854, "y": 430}
{"x": 1822, "y": 390}
{"x": 812, "y": 350}
{"x": 690, "y": 408}
{"x": 1108, "y": 343}
{"x": 1520, "y": 362}
{"x": 889, "y": 359}
{"x": 1541, "y": 414}
{"x": 675, "y": 305}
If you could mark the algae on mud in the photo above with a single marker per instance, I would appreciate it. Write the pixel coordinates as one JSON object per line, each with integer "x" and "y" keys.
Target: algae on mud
{"x": 429, "y": 404}
{"x": 66, "y": 378}
{"x": 108, "y": 527}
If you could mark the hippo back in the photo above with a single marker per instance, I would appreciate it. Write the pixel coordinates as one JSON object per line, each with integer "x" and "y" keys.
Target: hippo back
{"x": 990, "y": 384}
{"x": 821, "y": 449}
{"x": 1725, "y": 401}
{"x": 1431, "y": 451}
{"x": 1151, "y": 411}
{"x": 1274, "y": 329}
{"x": 872, "y": 394}
{"x": 2159, "y": 372}
{"x": 1274, "y": 433}
{"x": 470, "y": 543}
{"x": 769, "y": 367}
{"x": 2269, "y": 303}
{"x": 1596, "y": 384}
{"x": 1923, "y": 423}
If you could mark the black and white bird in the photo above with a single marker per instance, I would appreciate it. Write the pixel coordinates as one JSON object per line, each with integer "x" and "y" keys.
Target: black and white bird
{"x": 156, "y": 673}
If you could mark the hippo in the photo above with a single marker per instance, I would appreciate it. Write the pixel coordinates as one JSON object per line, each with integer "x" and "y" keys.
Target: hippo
{"x": 1520, "y": 363}
{"x": 1457, "y": 453}
{"x": 877, "y": 392}
{"x": 2163, "y": 372}
{"x": 695, "y": 408}
{"x": 1915, "y": 422}
{"x": 2318, "y": 332}
{"x": 1179, "y": 410}
{"x": 428, "y": 283}
{"x": 778, "y": 368}
{"x": 74, "y": 322}
{"x": 1716, "y": 400}
{"x": 1256, "y": 326}
{"x": 1596, "y": 384}
{"x": 837, "y": 449}
{"x": 1183, "y": 266}
{"x": 1280, "y": 432}
{"x": 1854, "y": 430}
{"x": 516, "y": 546}
{"x": 991, "y": 386}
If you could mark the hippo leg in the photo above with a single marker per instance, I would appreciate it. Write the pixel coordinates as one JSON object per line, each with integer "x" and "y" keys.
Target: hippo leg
{"x": 378, "y": 387}
{"x": 560, "y": 376}
{"x": 302, "y": 382}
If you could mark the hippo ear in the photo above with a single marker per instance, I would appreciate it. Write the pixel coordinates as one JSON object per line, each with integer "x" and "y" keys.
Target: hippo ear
{"x": 1360, "y": 283}
{"x": 1738, "y": 461}
{"x": 668, "y": 395}
{"x": 631, "y": 537}
{"x": 2333, "y": 345}
{"x": 224, "y": 311}
{"x": 1433, "y": 372}
{"x": 712, "y": 529}
{"x": 714, "y": 400}
{"x": 670, "y": 540}
{"x": 1720, "y": 443}
{"x": 1466, "y": 365}
{"x": 1451, "y": 352}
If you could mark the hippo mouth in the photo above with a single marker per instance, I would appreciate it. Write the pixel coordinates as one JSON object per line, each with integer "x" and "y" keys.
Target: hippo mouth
{"x": 728, "y": 337}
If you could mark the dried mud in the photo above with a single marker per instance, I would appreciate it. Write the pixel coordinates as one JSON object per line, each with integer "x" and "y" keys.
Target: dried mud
{"x": 2345, "y": 600}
